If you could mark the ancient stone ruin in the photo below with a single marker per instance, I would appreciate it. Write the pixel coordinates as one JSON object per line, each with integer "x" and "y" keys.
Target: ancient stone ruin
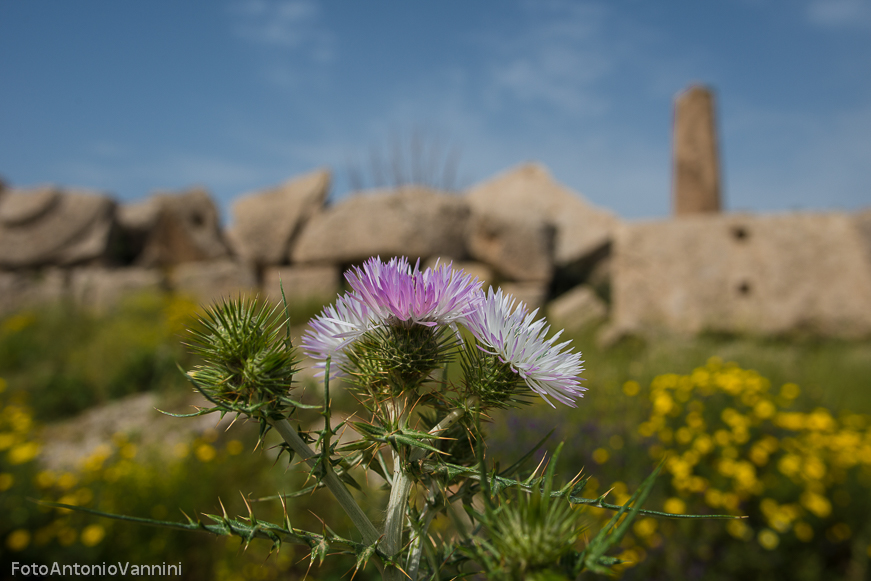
{"x": 701, "y": 270}
{"x": 764, "y": 274}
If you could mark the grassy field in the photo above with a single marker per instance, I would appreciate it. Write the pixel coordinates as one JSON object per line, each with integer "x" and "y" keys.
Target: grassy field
{"x": 56, "y": 362}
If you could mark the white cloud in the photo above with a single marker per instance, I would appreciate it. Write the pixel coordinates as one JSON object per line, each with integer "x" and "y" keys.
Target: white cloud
{"x": 840, "y": 13}
{"x": 284, "y": 24}
{"x": 558, "y": 59}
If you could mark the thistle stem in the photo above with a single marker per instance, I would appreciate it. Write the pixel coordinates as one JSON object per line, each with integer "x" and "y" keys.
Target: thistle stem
{"x": 336, "y": 486}
{"x": 419, "y": 534}
{"x": 446, "y": 423}
{"x": 397, "y": 505}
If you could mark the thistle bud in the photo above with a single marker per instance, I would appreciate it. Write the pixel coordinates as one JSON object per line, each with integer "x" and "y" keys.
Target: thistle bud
{"x": 248, "y": 363}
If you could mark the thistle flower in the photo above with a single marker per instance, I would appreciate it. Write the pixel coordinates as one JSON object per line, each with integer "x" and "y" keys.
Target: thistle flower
{"x": 518, "y": 341}
{"x": 338, "y": 325}
{"x": 396, "y": 292}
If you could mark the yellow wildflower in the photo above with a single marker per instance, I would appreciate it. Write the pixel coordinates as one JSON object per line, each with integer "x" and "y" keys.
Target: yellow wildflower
{"x": 18, "y": 540}
{"x": 92, "y": 535}
{"x": 768, "y": 539}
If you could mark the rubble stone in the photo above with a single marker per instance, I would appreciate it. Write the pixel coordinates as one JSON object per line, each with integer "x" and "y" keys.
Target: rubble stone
{"x": 517, "y": 250}
{"x": 212, "y": 281}
{"x": 415, "y": 222}
{"x": 576, "y": 309}
{"x": 46, "y": 227}
{"x": 302, "y": 283}
{"x": 185, "y": 228}
{"x": 266, "y": 223}
{"x": 529, "y": 194}
{"x": 101, "y": 288}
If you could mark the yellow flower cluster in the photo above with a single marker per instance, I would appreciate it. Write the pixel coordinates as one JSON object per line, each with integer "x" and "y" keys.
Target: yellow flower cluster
{"x": 728, "y": 437}
{"x": 106, "y": 464}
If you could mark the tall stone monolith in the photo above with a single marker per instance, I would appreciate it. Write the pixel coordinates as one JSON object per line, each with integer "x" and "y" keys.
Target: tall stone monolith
{"x": 696, "y": 187}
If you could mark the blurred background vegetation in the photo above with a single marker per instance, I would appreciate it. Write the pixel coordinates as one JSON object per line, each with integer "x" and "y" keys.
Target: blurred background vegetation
{"x": 777, "y": 430}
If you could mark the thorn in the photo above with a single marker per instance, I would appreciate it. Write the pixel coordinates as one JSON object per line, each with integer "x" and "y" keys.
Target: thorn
{"x": 248, "y": 506}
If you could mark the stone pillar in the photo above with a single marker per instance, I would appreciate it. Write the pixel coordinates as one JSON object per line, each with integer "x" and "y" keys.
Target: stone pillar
{"x": 696, "y": 187}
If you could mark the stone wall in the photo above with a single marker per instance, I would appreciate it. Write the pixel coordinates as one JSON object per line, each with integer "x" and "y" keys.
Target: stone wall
{"x": 521, "y": 229}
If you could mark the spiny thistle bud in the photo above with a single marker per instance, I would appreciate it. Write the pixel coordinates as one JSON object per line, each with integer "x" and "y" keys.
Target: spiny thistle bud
{"x": 248, "y": 364}
{"x": 532, "y": 533}
{"x": 494, "y": 383}
{"x": 397, "y": 358}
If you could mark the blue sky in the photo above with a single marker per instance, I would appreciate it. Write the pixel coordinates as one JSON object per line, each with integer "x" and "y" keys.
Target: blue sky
{"x": 237, "y": 95}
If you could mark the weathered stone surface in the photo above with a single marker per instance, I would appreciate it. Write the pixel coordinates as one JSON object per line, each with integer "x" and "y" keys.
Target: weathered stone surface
{"x": 182, "y": 227}
{"x": 576, "y": 309}
{"x": 302, "y": 283}
{"x": 517, "y": 249}
{"x": 20, "y": 208}
{"x": 414, "y": 222}
{"x": 771, "y": 274}
{"x": 54, "y": 228}
{"x": 20, "y": 290}
{"x": 211, "y": 281}
{"x": 67, "y": 443}
{"x": 863, "y": 223}
{"x": 529, "y": 194}
{"x": 101, "y": 288}
{"x": 696, "y": 164}
{"x": 534, "y": 294}
{"x": 265, "y": 224}
{"x": 136, "y": 220}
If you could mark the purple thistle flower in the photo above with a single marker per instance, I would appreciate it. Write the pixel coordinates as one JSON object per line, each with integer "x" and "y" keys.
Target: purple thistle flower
{"x": 511, "y": 334}
{"x": 334, "y": 329}
{"x": 396, "y": 292}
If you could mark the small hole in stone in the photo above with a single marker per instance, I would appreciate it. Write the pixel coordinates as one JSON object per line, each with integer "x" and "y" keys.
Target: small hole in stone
{"x": 197, "y": 219}
{"x": 740, "y": 233}
{"x": 744, "y": 288}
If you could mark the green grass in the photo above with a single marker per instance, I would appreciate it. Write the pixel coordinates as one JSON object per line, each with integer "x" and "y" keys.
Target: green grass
{"x": 835, "y": 373}
{"x": 68, "y": 359}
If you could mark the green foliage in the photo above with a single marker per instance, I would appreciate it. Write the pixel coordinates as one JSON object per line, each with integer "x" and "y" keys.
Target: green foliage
{"x": 164, "y": 483}
{"x": 68, "y": 358}
{"x": 731, "y": 441}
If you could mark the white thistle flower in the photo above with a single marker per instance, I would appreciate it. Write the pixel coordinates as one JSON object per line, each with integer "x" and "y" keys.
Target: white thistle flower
{"x": 519, "y": 341}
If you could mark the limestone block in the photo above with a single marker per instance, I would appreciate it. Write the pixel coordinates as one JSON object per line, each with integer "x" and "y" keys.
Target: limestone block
{"x": 576, "y": 309}
{"x": 517, "y": 249}
{"x": 48, "y": 226}
{"x": 266, "y": 223}
{"x": 533, "y": 294}
{"x": 415, "y": 222}
{"x": 769, "y": 274}
{"x": 21, "y": 290}
{"x": 862, "y": 220}
{"x": 181, "y": 227}
{"x": 529, "y": 194}
{"x": 101, "y": 288}
{"x": 215, "y": 280}
{"x": 302, "y": 283}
